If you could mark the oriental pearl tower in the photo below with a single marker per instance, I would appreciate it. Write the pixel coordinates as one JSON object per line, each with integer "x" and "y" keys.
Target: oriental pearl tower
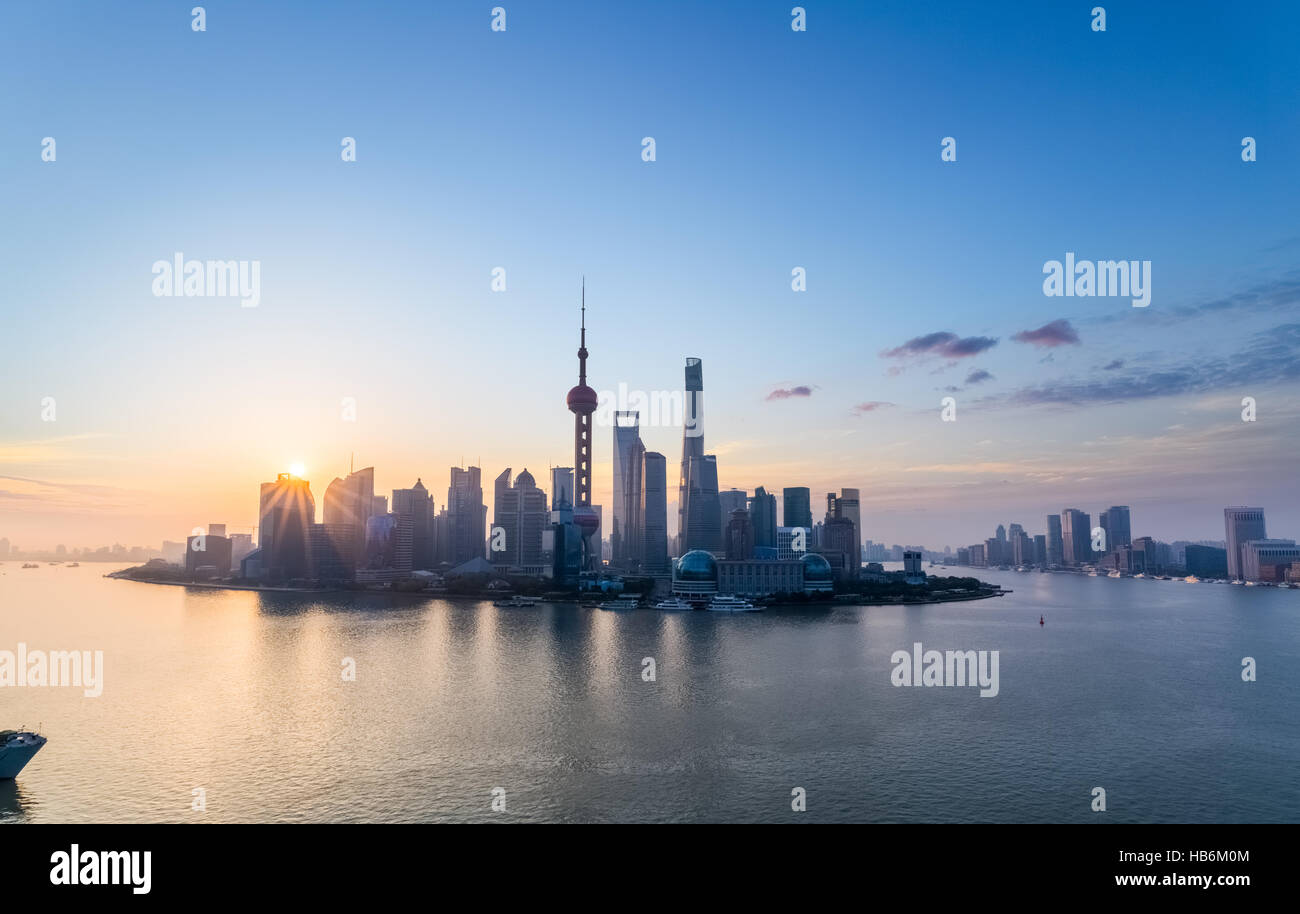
{"x": 582, "y": 402}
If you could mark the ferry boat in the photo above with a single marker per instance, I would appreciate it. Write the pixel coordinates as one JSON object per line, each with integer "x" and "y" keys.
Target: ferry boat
{"x": 676, "y": 603}
{"x": 16, "y": 749}
{"x": 515, "y": 601}
{"x": 726, "y": 603}
{"x": 1191, "y": 579}
{"x": 622, "y": 602}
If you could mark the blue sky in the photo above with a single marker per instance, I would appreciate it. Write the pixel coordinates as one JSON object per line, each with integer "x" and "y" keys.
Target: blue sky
{"x": 775, "y": 149}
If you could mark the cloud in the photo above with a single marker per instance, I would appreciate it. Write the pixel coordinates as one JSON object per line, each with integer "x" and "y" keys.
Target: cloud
{"x": 942, "y": 343}
{"x": 1113, "y": 366}
{"x": 978, "y": 376}
{"x": 1057, "y": 333}
{"x": 869, "y": 406}
{"x": 785, "y": 393}
{"x": 1272, "y": 356}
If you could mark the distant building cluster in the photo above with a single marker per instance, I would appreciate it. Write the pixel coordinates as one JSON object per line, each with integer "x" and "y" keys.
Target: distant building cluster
{"x": 1072, "y": 542}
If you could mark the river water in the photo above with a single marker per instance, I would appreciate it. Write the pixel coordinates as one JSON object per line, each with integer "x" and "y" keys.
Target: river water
{"x": 1134, "y": 686}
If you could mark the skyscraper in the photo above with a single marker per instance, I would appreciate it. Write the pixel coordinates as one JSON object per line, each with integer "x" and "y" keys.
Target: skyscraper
{"x": 847, "y": 506}
{"x": 349, "y": 502}
{"x": 762, "y": 513}
{"x": 797, "y": 511}
{"x": 518, "y": 519}
{"x": 627, "y": 524}
{"x": 1076, "y": 537}
{"x": 561, "y": 486}
{"x": 417, "y": 504}
{"x": 1118, "y": 529}
{"x": 654, "y": 511}
{"x": 733, "y": 500}
{"x": 1241, "y": 525}
{"x": 466, "y": 515}
{"x": 1055, "y": 545}
{"x": 699, "y": 513}
{"x": 739, "y": 536}
{"x": 582, "y": 402}
{"x": 286, "y": 511}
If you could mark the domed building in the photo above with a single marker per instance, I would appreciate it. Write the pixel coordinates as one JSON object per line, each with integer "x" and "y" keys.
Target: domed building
{"x": 695, "y": 576}
{"x": 818, "y": 575}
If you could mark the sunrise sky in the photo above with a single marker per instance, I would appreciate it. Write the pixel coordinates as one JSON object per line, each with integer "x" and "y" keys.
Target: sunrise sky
{"x": 774, "y": 150}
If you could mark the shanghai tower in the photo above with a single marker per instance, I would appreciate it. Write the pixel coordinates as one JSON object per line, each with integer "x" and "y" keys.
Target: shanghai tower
{"x": 699, "y": 513}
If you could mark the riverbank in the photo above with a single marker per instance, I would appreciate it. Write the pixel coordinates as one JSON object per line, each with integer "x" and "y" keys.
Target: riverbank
{"x": 841, "y": 600}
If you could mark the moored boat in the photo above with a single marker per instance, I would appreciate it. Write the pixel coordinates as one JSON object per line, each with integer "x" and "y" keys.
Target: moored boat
{"x": 16, "y": 749}
{"x": 726, "y": 603}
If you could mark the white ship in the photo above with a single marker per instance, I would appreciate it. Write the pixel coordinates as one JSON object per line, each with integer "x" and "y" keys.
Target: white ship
{"x": 628, "y": 602}
{"x": 515, "y": 601}
{"x": 676, "y": 603}
{"x": 726, "y": 603}
{"x": 16, "y": 749}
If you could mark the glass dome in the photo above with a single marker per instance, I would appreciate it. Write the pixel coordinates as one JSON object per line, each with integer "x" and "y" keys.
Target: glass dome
{"x": 696, "y": 565}
{"x": 816, "y": 569}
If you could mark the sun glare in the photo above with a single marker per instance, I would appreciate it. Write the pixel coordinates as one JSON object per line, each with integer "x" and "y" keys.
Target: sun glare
{"x": 297, "y": 469}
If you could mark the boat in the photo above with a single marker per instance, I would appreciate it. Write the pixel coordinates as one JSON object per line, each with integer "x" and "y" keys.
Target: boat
{"x": 1092, "y": 574}
{"x": 75, "y": 565}
{"x": 1191, "y": 579}
{"x": 16, "y": 749}
{"x": 726, "y": 603}
{"x": 1040, "y": 620}
{"x": 1115, "y": 574}
{"x": 30, "y": 565}
{"x": 675, "y": 603}
{"x": 515, "y": 601}
{"x": 622, "y": 602}
{"x": 1140, "y": 575}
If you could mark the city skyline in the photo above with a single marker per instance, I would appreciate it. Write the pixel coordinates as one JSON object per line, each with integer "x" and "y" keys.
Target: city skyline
{"x": 377, "y": 274}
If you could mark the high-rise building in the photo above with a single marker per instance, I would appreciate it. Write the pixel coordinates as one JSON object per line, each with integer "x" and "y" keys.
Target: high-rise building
{"x": 797, "y": 510}
{"x": 846, "y": 506}
{"x": 1040, "y": 549}
{"x": 1117, "y": 526}
{"x": 582, "y": 402}
{"x": 519, "y": 518}
{"x": 286, "y": 511}
{"x": 417, "y": 504}
{"x": 1055, "y": 542}
{"x": 466, "y": 515}
{"x": 350, "y": 501}
{"x": 1241, "y": 525}
{"x": 839, "y": 545}
{"x": 654, "y": 511}
{"x": 626, "y": 550}
{"x": 732, "y": 500}
{"x": 740, "y": 535}
{"x": 699, "y": 511}
{"x": 762, "y": 513}
{"x": 561, "y": 486}
{"x": 1076, "y": 537}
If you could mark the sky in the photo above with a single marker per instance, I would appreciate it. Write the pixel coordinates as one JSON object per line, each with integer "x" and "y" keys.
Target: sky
{"x": 774, "y": 150}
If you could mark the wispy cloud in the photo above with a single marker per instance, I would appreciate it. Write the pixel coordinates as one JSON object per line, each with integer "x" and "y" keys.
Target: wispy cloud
{"x": 1057, "y": 333}
{"x": 870, "y": 406}
{"x": 785, "y": 393}
{"x": 944, "y": 344}
{"x": 1272, "y": 356}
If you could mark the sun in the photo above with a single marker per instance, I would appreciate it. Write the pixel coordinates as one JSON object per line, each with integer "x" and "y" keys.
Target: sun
{"x": 297, "y": 469}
